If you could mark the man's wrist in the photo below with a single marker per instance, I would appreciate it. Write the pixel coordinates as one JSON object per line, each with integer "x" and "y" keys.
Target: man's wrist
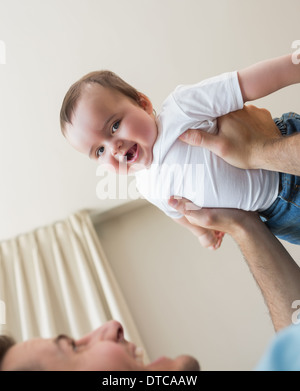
{"x": 245, "y": 225}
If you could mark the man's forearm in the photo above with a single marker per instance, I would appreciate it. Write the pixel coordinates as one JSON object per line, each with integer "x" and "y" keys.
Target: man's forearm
{"x": 280, "y": 155}
{"x": 275, "y": 271}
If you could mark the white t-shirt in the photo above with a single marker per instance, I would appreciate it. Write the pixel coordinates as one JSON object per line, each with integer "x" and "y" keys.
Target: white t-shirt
{"x": 194, "y": 172}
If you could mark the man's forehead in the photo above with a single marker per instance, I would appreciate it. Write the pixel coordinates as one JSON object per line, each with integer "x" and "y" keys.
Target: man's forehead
{"x": 23, "y": 353}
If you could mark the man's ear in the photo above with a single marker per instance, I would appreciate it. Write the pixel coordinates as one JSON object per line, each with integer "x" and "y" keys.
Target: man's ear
{"x": 145, "y": 103}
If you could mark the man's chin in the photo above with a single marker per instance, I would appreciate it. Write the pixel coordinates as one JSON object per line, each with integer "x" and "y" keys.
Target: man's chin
{"x": 180, "y": 363}
{"x": 187, "y": 363}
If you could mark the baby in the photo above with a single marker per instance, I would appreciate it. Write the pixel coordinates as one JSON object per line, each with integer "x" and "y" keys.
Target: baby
{"x": 110, "y": 121}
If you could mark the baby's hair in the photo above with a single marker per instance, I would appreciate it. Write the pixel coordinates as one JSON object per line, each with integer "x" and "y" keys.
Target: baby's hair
{"x": 104, "y": 78}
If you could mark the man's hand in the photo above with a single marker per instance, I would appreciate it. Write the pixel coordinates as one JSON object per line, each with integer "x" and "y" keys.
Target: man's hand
{"x": 208, "y": 238}
{"x": 211, "y": 239}
{"x": 241, "y": 139}
{"x": 215, "y": 219}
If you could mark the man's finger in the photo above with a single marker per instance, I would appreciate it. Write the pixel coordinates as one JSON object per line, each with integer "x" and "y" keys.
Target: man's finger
{"x": 182, "y": 205}
{"x": 192, "y": 137}
{"x": 200, "y": 138}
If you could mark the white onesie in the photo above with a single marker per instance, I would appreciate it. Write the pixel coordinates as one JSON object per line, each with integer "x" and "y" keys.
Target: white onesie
{"x": 194, "y": 172}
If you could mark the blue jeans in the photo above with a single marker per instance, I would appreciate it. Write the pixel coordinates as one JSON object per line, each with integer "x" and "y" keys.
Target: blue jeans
{"x": 283, "y": 216}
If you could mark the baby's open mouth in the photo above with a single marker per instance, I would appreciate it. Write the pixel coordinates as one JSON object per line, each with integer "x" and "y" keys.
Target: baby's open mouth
{"x": 132, "y": 154}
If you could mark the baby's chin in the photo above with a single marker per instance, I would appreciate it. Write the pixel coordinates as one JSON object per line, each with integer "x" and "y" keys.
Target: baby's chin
{"x": 180, "y": 363}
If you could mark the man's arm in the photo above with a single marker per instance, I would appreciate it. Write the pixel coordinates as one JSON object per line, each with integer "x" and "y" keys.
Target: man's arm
{"x": 249, "y": 139}
{"x": 275, "y": 271}
{"x": 208, "y": 238}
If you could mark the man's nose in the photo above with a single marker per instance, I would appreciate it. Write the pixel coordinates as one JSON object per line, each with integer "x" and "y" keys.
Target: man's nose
{"x": 110, "y": 331}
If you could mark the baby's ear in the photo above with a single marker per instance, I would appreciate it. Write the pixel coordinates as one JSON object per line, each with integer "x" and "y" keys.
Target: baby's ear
{"x": 145, "y": 103}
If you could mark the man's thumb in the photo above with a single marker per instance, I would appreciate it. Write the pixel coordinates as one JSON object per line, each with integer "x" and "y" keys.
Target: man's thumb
{"x": 199, "y": 138}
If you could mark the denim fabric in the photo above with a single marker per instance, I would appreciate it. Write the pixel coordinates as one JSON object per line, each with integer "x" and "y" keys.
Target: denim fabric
{"x": 283, "y": 216}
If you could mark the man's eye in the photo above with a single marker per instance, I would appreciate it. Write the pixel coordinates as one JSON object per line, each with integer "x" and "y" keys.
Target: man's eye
{"x": 115, "y": 126}
{"x": 74, "y": 347}
{"x": 99, "y": 152}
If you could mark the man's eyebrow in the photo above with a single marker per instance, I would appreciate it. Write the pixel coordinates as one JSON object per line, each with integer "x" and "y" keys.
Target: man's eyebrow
{"x": 66, "y": 338}
{"x": 104, "y": 126}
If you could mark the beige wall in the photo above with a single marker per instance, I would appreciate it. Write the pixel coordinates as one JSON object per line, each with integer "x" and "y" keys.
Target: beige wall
{"x": 210, "y": 305}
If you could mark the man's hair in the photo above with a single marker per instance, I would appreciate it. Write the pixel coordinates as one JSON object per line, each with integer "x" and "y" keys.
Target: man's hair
{"x": 104, "y": 78}
{"x": 6, "y": 343}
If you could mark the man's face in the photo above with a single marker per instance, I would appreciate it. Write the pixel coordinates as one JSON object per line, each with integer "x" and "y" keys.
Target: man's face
{"x": 105, "y": 349}
{"x": 111, "y": 128}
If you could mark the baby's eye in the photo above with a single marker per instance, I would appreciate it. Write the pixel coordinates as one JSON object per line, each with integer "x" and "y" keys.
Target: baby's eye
{"x": 115, "y": 126}
{"x": 99, "y": 152}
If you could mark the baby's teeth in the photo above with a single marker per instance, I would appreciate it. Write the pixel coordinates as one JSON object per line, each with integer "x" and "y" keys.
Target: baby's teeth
{"x": 122, "y": 159}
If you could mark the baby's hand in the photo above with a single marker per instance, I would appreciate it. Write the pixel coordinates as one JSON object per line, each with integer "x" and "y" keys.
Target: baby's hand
{"x": 211, "y": 239}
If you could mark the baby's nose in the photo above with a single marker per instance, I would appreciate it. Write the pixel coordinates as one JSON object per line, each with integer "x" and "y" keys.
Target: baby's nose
{"x": 115, "y": 148}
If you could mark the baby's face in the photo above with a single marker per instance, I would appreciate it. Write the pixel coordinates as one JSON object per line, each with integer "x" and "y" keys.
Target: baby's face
{"x": 109, "y": 127}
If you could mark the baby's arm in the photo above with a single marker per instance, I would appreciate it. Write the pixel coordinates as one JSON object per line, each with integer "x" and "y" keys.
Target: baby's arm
{"x": 208, "y": 238}
{"x": 268, "y": 76}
